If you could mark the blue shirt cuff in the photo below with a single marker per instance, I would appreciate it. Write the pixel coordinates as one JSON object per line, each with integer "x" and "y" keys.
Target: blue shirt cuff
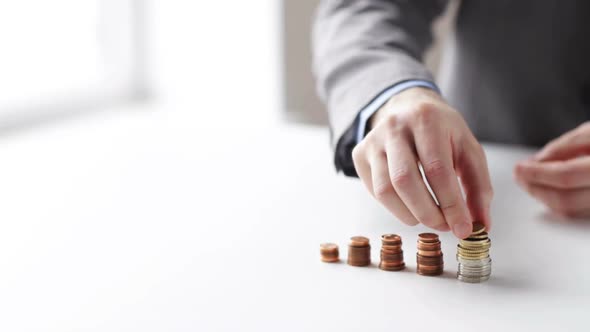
{"x": 370, "y": 109}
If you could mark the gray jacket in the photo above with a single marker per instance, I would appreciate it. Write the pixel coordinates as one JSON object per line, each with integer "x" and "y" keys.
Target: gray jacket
{"x": 518, "y": 71}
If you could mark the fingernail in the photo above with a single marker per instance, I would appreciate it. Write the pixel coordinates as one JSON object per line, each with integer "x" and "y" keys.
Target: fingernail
{"x": 462, "y": 230}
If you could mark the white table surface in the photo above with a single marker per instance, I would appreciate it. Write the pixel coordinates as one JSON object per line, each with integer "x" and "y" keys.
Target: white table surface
{"x": 144, "y": 221}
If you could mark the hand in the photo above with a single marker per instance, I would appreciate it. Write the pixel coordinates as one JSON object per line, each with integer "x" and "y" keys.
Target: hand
{"x": 559, "y": 175}
{"x": 417, "y": 126}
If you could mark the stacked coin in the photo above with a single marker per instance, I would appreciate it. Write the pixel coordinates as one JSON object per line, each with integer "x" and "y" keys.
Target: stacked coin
{"x": 392, "y": 255}
{"x": 329, "y": 252}
{"x": 359, "y": 251}
{"x": 473, "y": 255}
{"x": 429, "y": 257}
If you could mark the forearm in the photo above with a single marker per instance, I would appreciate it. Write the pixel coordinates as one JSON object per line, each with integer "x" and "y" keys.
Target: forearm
{"x": 362, "y": 48}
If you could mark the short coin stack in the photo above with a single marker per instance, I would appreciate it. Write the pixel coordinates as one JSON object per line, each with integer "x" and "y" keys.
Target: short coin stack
{"x": 473, "y": 255}
{"x": 359, "y": 251}
{"x": 392, "y": 255}
{"x": 429, "y": 257}
{"x": 329, "y": 252}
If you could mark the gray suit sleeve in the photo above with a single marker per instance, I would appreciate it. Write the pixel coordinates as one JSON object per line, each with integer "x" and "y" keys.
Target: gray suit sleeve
{"x": 362, "y": 47}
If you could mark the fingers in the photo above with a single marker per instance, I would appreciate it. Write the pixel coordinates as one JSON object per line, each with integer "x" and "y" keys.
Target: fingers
{"x": 568, "y": 145}
{"x": 436, "y": 157}
{"x": 408, "y": 184}
{"x": 383, "y": 190}
{"x": 570, "y": 174}
{"x": 567, "y": 202}
{"x": 475, "y": 178}
{"x": 362, "y": 167}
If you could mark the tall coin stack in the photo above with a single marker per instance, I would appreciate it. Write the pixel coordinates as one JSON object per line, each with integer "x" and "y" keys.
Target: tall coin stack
{"x": 473, "y": 255}
{"x": 392, "y": 255}
{"x": 359, "y": 251}
{"x": 329, "y": 252}
{"x": 429, "y": 257}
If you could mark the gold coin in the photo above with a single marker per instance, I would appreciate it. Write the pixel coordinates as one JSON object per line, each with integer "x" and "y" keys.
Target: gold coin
{"x": 474, "y": 256}
{"x": 480, "y": 236}
{"x": 478, "y": 228}
{"x": 486, "y": 247}
{"x": 474, "y": 253}
{"x": 473, "y": 243}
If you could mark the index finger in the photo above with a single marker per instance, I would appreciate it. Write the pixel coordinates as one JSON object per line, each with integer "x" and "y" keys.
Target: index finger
{"x": 567, "y": 145}
{"x": 436, "y": 156}
{"x": 569, "y": 174}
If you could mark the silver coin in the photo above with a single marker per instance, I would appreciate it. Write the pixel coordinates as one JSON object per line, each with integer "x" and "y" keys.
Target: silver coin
{"x": 468, "y": 276}
{"x": 475, "y": 268}
{"x": 473, "y": 279}
{"x": 474, "y": 262}
{"x": 475, "y": 273}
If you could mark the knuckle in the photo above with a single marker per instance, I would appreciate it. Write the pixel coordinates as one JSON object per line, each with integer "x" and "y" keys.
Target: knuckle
{"x": 435, "y": 168}
{"x": 426, "y": 112}
{"x": 382, "y": 190}
{"x": 392, "y": 121}
{"x": 357, "y": 152}
{"x": 401, "y": 177}
{"x": 450, "y": 206}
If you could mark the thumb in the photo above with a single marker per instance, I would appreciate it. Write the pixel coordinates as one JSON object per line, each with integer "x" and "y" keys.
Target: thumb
{"x": 569, "y": 145}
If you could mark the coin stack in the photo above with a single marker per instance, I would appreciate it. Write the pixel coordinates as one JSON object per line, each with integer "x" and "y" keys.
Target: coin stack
{"x": 429, "y": 257}
{"x": 359, "y": 251}
{"x": 329, "y": 252}
{"x": 392, "y": 255}
{"x": 473, "y": 255}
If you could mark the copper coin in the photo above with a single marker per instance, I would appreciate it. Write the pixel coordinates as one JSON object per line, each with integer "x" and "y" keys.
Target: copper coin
{"x": 330, "y": 259}
{"x": 429, "y": 253}
{"x": 430, "y": 264}
{"x": 390, "y": 247}
{"x": 392, "y": 257}
{"x": 393, "y": 239}
{"x": 430, "y": 267}
{"x": 427, "y": 237}
{"x": 359, "y": 263}
{"x": 391, "y": 252}
{"x": 359, "y": 241}
{"x": 359, "y": 250}
{"x": 328, "y": 246}
{"x": 433, "y": 247}
{"x": 430, "y": 273}
{"x": 421, "y": 258}
{"x": 433, "y": 262}
{"x": 429, "y": 246}
{"x": 392, "y": 268}
{"x": 387, "y": 263}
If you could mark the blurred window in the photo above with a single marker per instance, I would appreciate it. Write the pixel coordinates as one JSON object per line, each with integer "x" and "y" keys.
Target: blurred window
{"x": 68, "y": 53}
